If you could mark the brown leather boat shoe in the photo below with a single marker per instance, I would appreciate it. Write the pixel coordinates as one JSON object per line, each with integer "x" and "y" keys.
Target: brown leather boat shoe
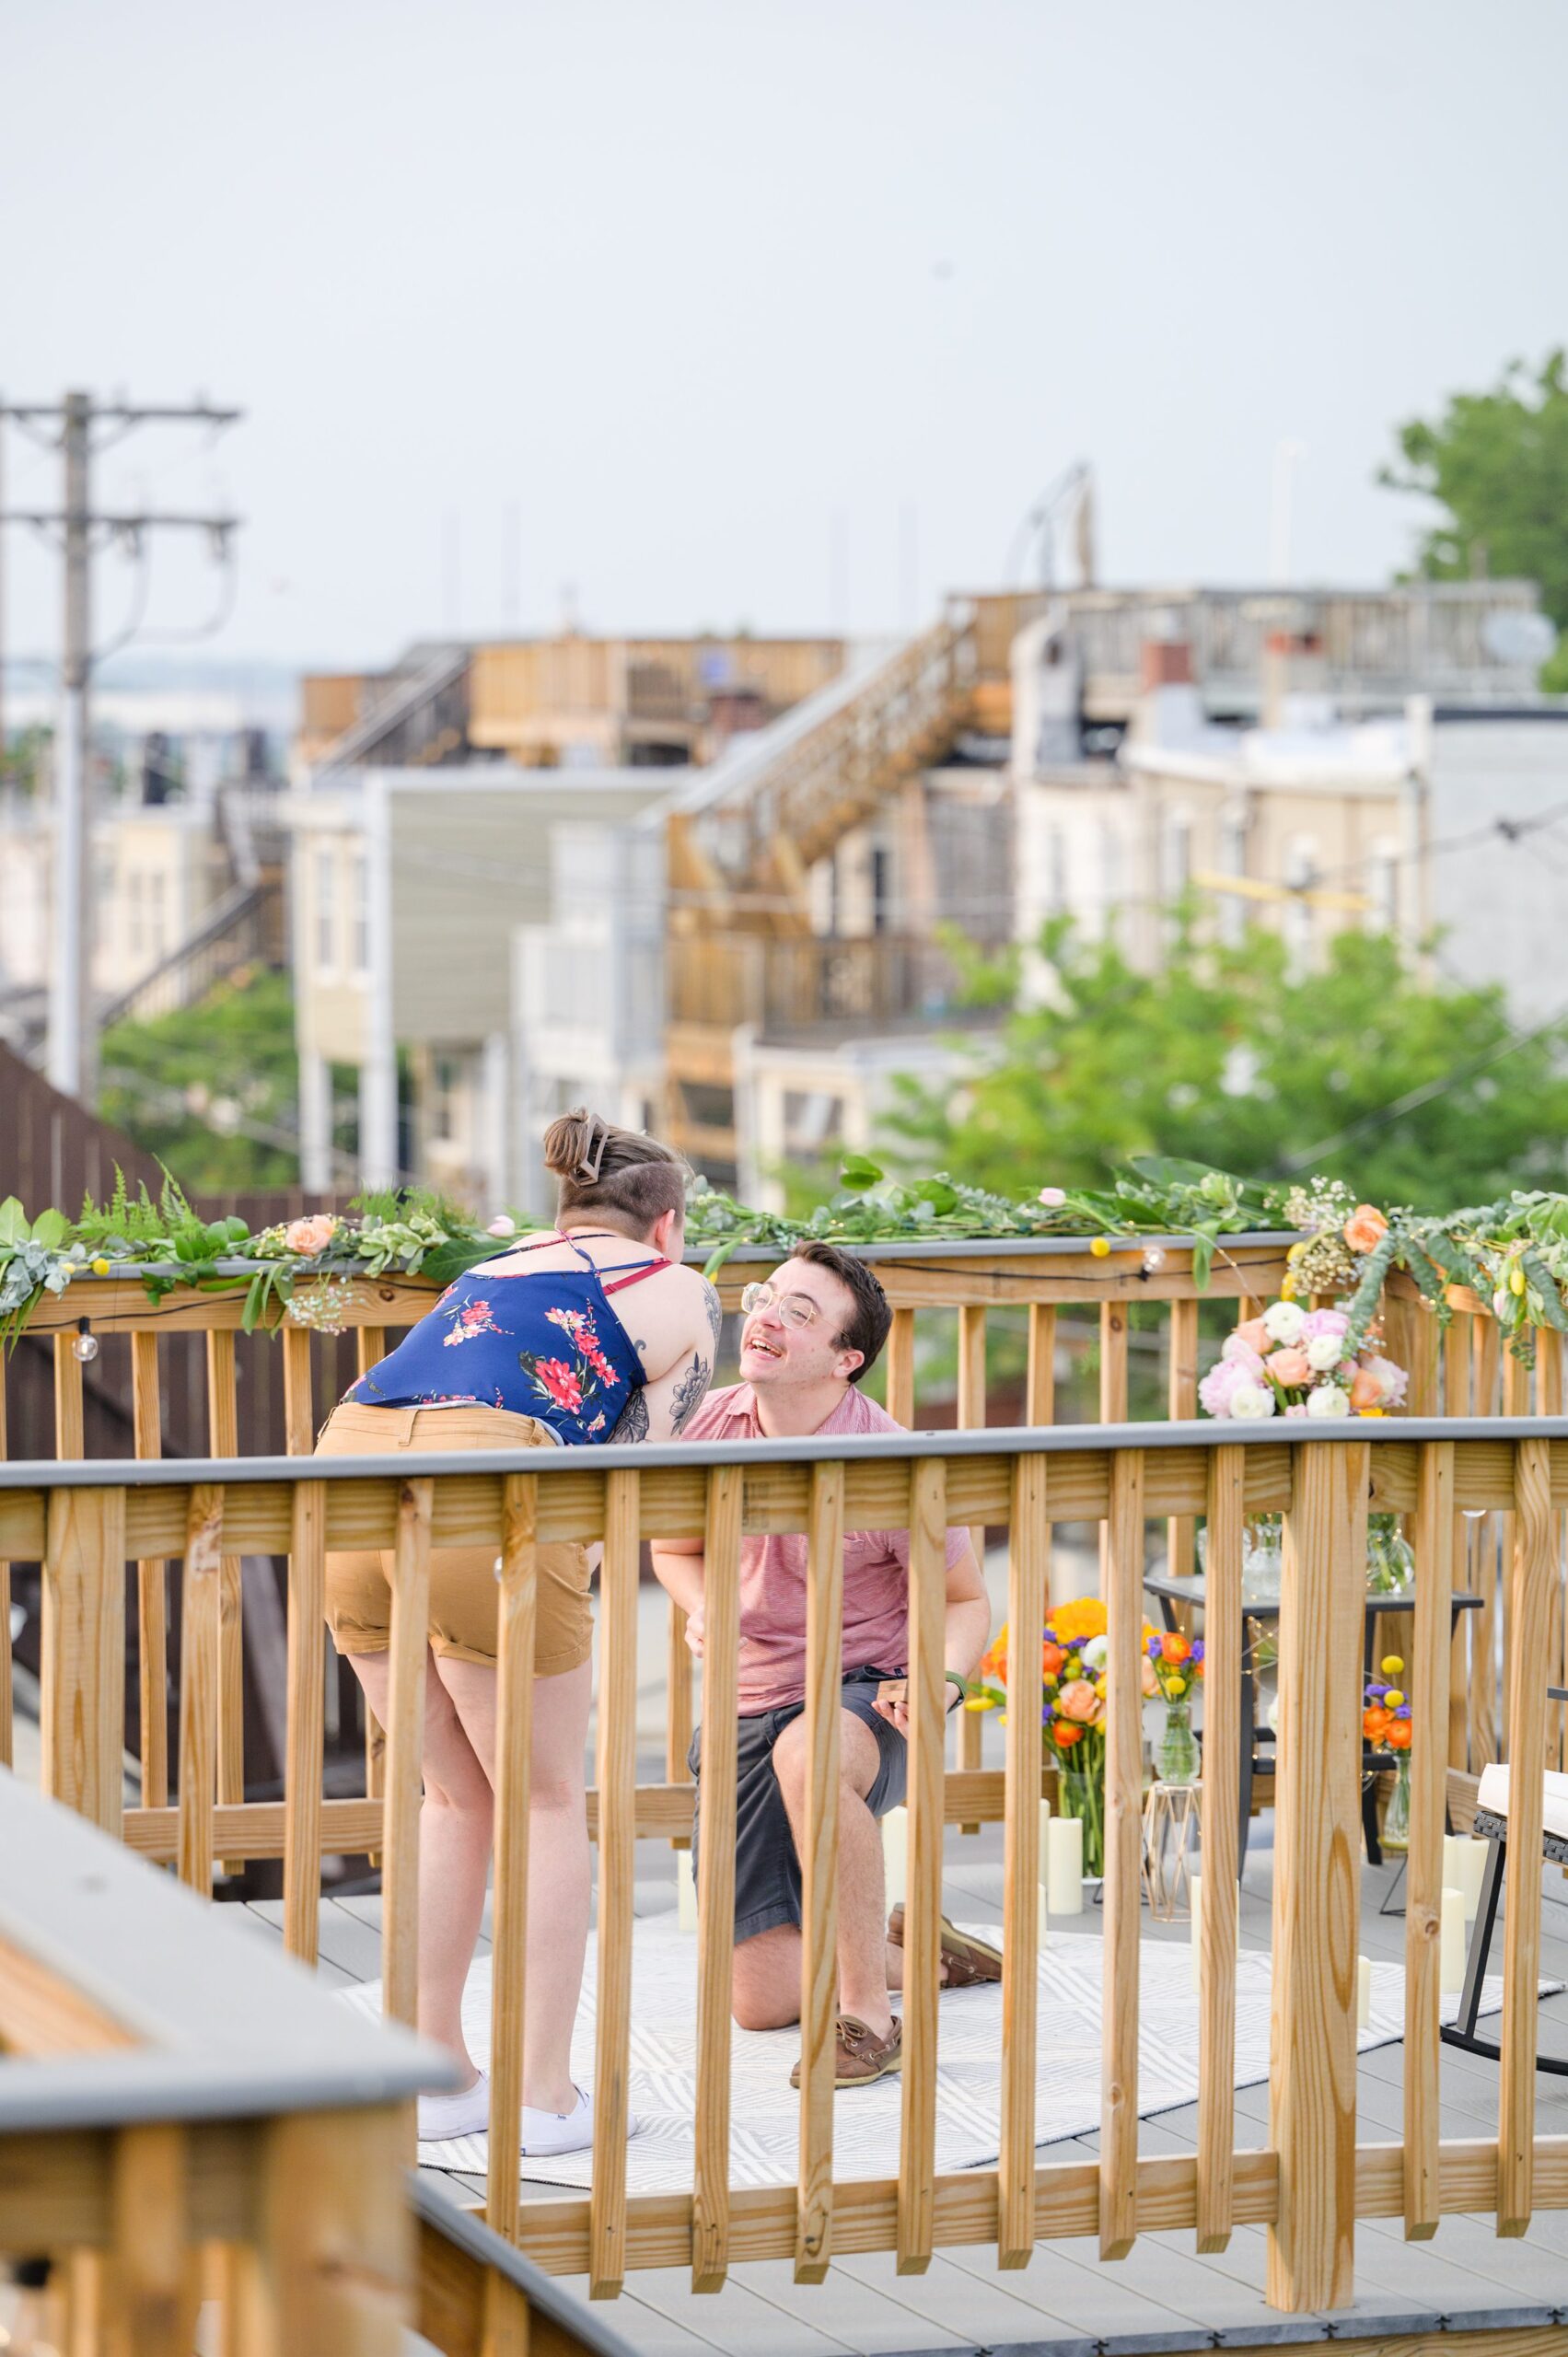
{"x": 863, "y": 2057}
{"x": 967, "y": 1961}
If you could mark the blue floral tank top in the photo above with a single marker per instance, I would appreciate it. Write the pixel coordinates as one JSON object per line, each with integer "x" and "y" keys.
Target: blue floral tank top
{"x": 544, "y": 1343}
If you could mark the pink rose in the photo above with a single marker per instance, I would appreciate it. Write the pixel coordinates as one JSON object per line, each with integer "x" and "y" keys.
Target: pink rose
{"x": 1241, "y": 1354}
{"x": 1297, "y": 1408}
{"x": 1392, "y": 1380}
{"x": 1079, "y": 1701}
{"x": 1254, "y": 1333}
{"x": 1324, "y": 1321}
{"x": 1289, "y": 1366}
{"x": 1213, "y": 1392}
{"x": 309, "y": 1237}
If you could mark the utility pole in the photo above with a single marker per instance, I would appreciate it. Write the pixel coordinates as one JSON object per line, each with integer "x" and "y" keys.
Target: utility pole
{"x": 71, "y": 1061}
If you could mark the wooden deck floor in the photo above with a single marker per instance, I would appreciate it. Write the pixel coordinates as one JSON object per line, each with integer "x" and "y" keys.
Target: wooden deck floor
{"x": 1163, "y": 2297}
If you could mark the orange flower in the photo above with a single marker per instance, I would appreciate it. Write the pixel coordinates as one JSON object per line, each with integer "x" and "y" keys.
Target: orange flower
{"x": 1374, "y": 1721}
{"x": 1399, "y": 1736}
{"x": 1051, "y": 1660}
{"x": 1363, "y": 1228}
{"x": 1174, "y": 1646}
{"x": 309, "y": 1237}
{"x": 1366, "y": 1391}
{"x": 1065, "y": 1736}
{"x": 1288, "y": 1367}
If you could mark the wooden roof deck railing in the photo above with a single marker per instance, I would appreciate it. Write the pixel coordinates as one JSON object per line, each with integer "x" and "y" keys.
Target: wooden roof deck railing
{"x": 1307, "y": 2186}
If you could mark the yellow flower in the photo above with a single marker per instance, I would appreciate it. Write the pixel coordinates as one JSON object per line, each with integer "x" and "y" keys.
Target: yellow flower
{"x": 1390, "y": 1664}
{"x": 1297, "y": 1249}
{"x": 1100, "y": 1687}
{"x": 979, "y": 1702}
{"x": 100, "y": 1267}
{"x": 1100, "y": 1248}
{"x": 1392, "y": 1700}
{"x": 1287, "y": 1287}
{"x": 1174, "y": 1687}
{"x": 1516, "y": 1280}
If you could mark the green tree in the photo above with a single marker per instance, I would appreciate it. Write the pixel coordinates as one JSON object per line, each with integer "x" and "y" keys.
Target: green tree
{"x": 212, "y": 1089}
{"x": 1223, "y": 1058}
{"x": 1498, "y": 463}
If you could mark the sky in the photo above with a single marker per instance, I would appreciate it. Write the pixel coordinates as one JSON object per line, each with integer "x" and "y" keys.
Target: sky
{"x": 683, "y": 313}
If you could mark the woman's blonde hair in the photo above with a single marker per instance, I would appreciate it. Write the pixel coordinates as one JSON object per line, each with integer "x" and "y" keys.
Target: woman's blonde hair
{"x": 603, "y": 1168}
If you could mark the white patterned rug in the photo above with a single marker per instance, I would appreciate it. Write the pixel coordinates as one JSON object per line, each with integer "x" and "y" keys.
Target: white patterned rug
{"x": 764, "y": 2106}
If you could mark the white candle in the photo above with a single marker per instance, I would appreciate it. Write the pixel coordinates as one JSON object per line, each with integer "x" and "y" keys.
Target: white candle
{"x": 1363, "y": 1992}
{"x": 685, "y": 1892}
{"x": 1464, "y": 1863}
{"x": 1451, "y": 1948}
{"x": 1064, "y": 1875}
{"x": 896, "y": 1855}
{"x": 1042, "y": 1922}
{"x": 1195, "y": 1902}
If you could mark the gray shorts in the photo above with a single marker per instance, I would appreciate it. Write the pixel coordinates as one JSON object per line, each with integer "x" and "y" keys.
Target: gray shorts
{"x": 767, "y": 1872}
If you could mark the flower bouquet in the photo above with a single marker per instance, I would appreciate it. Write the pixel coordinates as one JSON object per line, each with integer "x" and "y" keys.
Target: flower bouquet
{"x": 1386, "y": 1726}
{"x": 1174, "y": 1663}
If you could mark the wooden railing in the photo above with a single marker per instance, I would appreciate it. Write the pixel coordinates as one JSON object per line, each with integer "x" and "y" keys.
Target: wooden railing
{"x": 1312, "y": 2181}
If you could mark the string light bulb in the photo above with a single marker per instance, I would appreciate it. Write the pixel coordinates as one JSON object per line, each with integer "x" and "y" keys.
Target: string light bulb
{"x": 1154, "y": 1258}
{"x": 85, "y": 1347}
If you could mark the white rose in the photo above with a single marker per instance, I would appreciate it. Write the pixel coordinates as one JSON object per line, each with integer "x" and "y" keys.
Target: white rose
{"x": 1095, "y": 1652}
{"x": 1328, "y": 1400}
{"x": 1325, "y": 1350}
{"x": 1251, "y": 1401}
{"x": 1282, "y": 1323}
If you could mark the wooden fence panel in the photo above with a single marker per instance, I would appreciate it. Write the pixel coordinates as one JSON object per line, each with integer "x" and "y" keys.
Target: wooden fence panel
{"x": 820, "y": 1870}
{"x": 1224, "y": 1668}
{"x": 1124, "y": 1855}
{"x": 1426, "y": 1682}
{"x": 922, "y": 1902}
{"x": 716, "y": 1887}
{"x": 616, "y": 1867}
{"x": 1028, "y": 1545}
{"x": 1532, "y": 1579}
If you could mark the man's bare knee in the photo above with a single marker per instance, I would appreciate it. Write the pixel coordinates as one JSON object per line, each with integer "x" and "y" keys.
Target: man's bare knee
{"x": 755, "y": 2009}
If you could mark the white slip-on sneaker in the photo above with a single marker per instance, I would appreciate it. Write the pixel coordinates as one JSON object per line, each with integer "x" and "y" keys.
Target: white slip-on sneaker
{"x": 468, "y": 2114}
{"x": 563, "y": 2132}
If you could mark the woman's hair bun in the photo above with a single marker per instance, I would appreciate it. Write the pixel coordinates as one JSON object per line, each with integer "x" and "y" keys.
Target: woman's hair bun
{"x": 575, "y": 1143}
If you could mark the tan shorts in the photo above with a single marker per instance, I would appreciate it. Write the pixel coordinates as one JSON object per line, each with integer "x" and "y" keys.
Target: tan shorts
{"x": 463, "y": 1589}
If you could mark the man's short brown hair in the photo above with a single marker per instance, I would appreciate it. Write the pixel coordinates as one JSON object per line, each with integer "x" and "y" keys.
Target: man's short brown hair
{"x": 865, "y": 1328}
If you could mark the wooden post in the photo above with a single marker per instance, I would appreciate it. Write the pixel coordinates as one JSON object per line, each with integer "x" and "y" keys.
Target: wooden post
{"x": 617, "y": 1868}
{"x": 333, "y": 2262}
{"x": 1533, "y": 1576}
{"x": 304, "y": 1733}
{"x": 152, "y": 2303}
{"x": 151, "y": 1587}
{"x": 1041, "y": 1381}
{"x": 922, "y": 1904}
{"x": 715, "y": 1877}
{"x": 1182, "y": 1405}
{"x": 199, "y": 1629}
{"x": 1549, "y": 1402}
{"x": 371, "y": 1348}
{"x": 1426, "y": 1682}
{"x": 1317, "y": 1879}
{"x": 1124, "y": 1855}
{"x": 1483, "y": 1568}
{"x": 678, "y": 1715}
{"x": 223, "y": 1434}
{"x": 509, "y": 1915}
{"x": 409, "y": 1649}
{"x": 820, "y": 1871}
{"x": 971, "y": 1418}
{"x": 1029, "y": 1542}
{"x": 83, "y": 1702}
{"x": 900, "y": 1368}
{"x": 1224, "y": 1669}
{"x": 1457, "y": 1356}
{"x": 1515, "y": 1403}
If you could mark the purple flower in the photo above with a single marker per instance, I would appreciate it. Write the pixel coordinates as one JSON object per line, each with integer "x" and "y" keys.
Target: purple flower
{"x": 1197, "y": 1649}
{"x": 1152, "y": 1648}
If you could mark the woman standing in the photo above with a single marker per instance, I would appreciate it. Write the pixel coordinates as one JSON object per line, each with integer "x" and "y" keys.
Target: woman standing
{"x": 566, "y": 1337}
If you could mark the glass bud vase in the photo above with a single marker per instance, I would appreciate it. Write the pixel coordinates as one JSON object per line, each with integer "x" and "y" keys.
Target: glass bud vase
{"x": 1081, "y": 1793}
{"x": 1396, "y": 1834}
{"x": 1177, "y": 1756}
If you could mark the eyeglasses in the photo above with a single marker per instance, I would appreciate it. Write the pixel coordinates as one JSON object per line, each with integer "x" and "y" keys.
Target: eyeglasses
{"x": 796, "y": 1308}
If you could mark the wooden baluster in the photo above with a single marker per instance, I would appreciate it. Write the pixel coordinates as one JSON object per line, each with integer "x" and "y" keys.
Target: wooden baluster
{"x": 151, "y": 2291}
{"x": 1112, "y": 1391}
{"x": 222, "y": 1434}
{"x": 1040, "y": 1391}
{"x": 370, "y": 1344}
{"x": 409, "y": 1648}
{"x": 1123, "y": 1855}
{"x": 69, "y": 1420}
{"x": 1181, "y": 1404}
{"x": 6, "y": 1730}
{"x": 715, "y": 1874}
{"x": 900, "y": 1368}
{"x": 923, "y": 1903}
{"x": 517, "y": 1617}
{"x": 1318, "y": 1879}
{"x": 971, "y": 1418}
{"x": 82, "y": 1730}
{"x": 679, "y": 1712}
{"x": 1433, "y": 1540}
{"x": 820, "y": 1871}
{"x": 1457, "y": 1354}
{"x": 1029, "y": 1547}
{"x": 151, "y": 1587}
{"x": 1484, "y": 1744}
{"x": 1533, "y": 1579}
{"x": 617, "y": 1866}
{"x": 200, "y": 1630}
{"x": 1515, "y": 1403}
{"x": 1224, "y": 1668}
{"x": 304, "y": 1736}
{"x": 1549, "y": 1402}
{"x": 299, "y": 1417}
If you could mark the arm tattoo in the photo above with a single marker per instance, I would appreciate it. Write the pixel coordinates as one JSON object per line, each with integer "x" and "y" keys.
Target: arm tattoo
{"x": 689, "y": 1392}
{"x": 633, "y": 1421}
{"x": 716, "y": 1311}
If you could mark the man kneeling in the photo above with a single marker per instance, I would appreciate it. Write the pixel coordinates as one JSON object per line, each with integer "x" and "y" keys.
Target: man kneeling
{"x": 811, "y": 1331}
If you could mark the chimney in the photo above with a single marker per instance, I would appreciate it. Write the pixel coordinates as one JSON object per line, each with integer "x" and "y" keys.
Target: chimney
{"x": 1165, "y": 663}
{"x": 1292, "y": 666}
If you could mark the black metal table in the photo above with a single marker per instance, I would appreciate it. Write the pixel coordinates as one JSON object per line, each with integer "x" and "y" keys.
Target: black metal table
{"x": 1172, "y": 1592}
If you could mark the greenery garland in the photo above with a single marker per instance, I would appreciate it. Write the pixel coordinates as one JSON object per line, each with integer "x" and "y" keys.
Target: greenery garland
{"x": 1513, "y": 1255}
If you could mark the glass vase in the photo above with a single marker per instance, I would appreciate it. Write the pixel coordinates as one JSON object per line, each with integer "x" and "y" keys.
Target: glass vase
{"x": 1081, "y": 1793}
{"x": 1396, "y": 1834}
{"x": 1177, "y": 1756}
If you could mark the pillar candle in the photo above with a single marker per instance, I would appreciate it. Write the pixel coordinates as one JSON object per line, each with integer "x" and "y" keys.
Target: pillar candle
{"x": 1043, "y": 1895}
{"x": 1043, "y": 1919}
{"x": 895, "y": 1855}
{"x": 1363, "y": 1992}
{"x": 1451, "y": 1949}
{"x": 1195, "y": 1902}
{"x": 1464, "y": 1863}
{"x": 1064, "y": 1876}
{"x": 685, "y": 1892}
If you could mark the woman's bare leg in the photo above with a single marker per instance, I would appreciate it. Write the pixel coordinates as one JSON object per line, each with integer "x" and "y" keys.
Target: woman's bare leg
{"x": 454, "y": 1853}
{"x": 560, "y": 1874}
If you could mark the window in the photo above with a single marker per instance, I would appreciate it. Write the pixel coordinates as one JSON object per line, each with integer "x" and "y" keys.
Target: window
{"x": 361, "y": 913}
{"x": 1383, "y": 889}
{"x": 1233, "y": 862}
{"x": 134, "y": 930}
{"x": 326, "y": 911}
{"x": 158, "y": 940}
